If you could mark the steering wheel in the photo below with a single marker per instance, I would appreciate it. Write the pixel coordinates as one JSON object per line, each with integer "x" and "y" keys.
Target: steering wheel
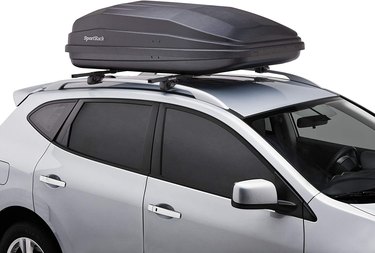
{"x": 345, "y": 160}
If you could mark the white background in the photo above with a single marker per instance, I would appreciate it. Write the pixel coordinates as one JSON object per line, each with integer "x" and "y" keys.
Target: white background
{"x": 339, "y": 37}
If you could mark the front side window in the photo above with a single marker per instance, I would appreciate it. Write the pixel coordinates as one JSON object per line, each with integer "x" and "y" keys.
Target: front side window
{"x": 203, "y": 154}
{"x": 330, "y": 142}
{"x": 111, "y": 132}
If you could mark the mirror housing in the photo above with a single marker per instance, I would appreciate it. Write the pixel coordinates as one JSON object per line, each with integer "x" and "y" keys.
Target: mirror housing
{"x": 259, "y": 194}
{"x": 254, "y": 192}
{"x": 312, "y": 121}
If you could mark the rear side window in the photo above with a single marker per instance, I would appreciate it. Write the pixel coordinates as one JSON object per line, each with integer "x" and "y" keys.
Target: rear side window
{"x": 112, "y": 132}
{"x": 200, "y": 153}
{"x": 49, "y": 118}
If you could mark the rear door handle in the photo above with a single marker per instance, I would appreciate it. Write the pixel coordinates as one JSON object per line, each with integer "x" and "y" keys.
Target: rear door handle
{"x": 52, "y": 180}
{"x": 160, "y": 210}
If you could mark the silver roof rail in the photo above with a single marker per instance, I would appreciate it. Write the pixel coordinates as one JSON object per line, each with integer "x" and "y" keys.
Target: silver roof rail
{"x": 170, "y": 82}
{"x": 202, "y": 96}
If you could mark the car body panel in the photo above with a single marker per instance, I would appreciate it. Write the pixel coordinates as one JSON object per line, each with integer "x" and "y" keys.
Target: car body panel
{"x": 340, "y": 227}
{"x": 4, "y": 172}
{"x": 100, "y": 206}
{"x": 210, "y": 224}
{"x": 21, "y": 147}
{"x": 369, "y": 208}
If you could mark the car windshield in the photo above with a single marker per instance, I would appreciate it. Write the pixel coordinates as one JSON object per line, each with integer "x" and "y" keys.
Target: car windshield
{"x": 330, "y": 142}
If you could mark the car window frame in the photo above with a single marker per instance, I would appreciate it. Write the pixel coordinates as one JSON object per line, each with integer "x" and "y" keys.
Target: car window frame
{"x": 146, "y": 163}
{"x": 156, "y": 158}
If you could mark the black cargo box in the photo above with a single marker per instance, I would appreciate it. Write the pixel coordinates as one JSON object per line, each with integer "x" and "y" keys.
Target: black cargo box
{"x": 179, "y": 38}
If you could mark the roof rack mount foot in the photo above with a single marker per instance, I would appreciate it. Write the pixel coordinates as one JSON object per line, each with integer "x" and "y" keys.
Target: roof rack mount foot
{"x": 168, "y": 82}
{"x": 261, "y": 69}
{"x": 97, "y": 76}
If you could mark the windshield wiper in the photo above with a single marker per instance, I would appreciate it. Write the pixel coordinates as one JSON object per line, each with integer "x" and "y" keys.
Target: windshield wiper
{"x": 356, "y": 197}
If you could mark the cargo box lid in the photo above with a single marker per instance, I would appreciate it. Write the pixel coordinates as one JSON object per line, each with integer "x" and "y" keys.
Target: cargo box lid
{"x": 179, "y": 38}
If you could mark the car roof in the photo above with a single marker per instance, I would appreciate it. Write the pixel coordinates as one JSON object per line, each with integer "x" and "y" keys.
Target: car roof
{"x": 249, "y": 97}
{"x": 244, "y": 95}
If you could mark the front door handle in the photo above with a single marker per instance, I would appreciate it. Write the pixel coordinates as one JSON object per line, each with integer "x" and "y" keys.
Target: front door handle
{"x": 164, "y": 210}
{"x": 52, "y": 180}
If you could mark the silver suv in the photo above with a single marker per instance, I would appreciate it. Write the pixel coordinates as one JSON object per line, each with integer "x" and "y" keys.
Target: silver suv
{"x": 217, "y": 163}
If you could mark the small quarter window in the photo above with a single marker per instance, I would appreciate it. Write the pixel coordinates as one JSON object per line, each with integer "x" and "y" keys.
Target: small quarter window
{"x": 49, "y": 118}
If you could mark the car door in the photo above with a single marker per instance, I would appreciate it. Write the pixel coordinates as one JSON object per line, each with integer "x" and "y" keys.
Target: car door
{"x": 187, "y": 205}
{"x": 89, "y": 185}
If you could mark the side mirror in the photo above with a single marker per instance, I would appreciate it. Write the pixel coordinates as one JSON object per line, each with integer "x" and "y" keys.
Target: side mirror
{"x": 259, "y": 194}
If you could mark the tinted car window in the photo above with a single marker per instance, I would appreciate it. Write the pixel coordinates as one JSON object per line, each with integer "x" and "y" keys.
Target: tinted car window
{"x": 202, "y": 154}
{"x": 111, "y": 132}
{"x": 49, "y": 118}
